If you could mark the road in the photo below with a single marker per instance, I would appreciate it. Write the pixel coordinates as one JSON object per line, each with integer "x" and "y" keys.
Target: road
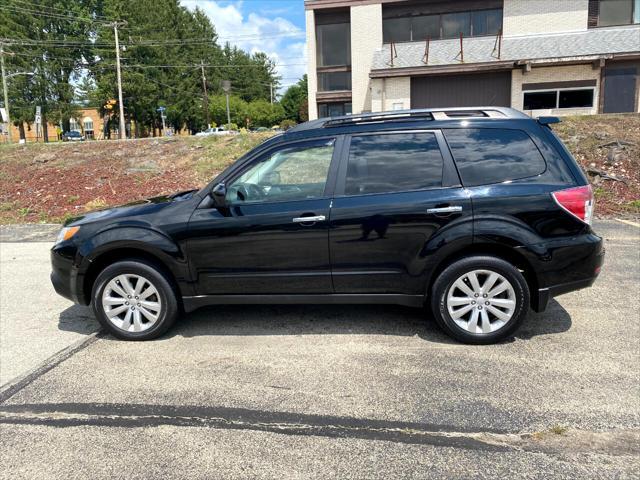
{"x": 320, "y": 391}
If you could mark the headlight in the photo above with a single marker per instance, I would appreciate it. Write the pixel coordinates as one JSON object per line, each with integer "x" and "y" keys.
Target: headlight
{"x": 66, "y": 233}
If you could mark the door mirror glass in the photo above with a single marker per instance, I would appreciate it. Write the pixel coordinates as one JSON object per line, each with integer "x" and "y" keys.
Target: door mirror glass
{"x": 292, "y": 173}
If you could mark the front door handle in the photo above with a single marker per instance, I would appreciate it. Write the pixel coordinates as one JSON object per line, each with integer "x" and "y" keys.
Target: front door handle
{"x": 317, "y": 218}
{"x": 451, "y": 209}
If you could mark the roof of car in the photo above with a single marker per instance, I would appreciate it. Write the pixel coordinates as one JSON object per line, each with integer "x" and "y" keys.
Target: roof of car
{"x": 428, "y": 115}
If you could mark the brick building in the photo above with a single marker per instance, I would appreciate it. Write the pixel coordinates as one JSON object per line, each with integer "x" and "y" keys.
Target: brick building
{"x": 89, "y": 122}
{"x": 539, "y": 56}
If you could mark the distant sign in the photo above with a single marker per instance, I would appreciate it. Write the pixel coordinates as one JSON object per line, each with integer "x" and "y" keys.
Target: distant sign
{"x": 38, "y": 110}
{"x": 161, "y": 109}
{"x": 38, "y": 119}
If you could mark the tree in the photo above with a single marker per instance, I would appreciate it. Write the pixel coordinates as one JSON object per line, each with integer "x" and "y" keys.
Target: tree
{"x": 294, "y": 101}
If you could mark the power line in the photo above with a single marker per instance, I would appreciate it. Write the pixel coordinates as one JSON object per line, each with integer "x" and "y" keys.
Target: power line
{"x": 56, "y": 16}
{"x": 51, "y": 7}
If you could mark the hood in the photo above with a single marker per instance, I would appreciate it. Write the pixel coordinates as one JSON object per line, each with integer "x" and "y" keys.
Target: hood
{"x": 138, "y": 207}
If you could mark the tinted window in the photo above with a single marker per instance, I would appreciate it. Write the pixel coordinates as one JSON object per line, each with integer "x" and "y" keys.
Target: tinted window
{"x": 393, "y": 163}
{"x": 575, "y": 98}
{"x": 486, "y": 156}
{"x": 455, "y": 23}
{"x": 333, "y": 44}
{"x": 425, "y": 27}
{"x": 540, "y": 100}
{"x": 486, "y": 22}
{"x": 397, "y": 29}
{"x": 615, "y": 12}
{"x": 289, "y": 174}
{"x": 328, "y": 81}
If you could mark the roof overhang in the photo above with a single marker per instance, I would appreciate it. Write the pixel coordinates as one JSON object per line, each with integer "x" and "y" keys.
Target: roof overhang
{"x": 499, "y": 65}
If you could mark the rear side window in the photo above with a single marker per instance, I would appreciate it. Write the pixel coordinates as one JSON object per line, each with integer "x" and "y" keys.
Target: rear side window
{"x": 486, "y": 155}
{"x": 393, "y": 163}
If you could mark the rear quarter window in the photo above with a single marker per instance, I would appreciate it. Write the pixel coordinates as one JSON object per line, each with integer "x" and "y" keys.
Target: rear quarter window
{"x": 489, "y": 155}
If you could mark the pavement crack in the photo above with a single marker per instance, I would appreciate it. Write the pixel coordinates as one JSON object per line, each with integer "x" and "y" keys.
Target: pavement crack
{"x": 620, "y": 442}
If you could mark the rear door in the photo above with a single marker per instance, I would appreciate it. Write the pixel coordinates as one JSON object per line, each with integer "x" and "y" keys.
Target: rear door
{"x": 395, "y": 196}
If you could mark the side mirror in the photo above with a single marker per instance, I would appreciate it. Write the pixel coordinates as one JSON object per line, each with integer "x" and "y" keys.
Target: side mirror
{"x": 219, "y": 195}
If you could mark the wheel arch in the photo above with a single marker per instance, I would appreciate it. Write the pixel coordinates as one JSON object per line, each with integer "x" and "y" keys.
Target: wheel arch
{"x": 507, "y": 253}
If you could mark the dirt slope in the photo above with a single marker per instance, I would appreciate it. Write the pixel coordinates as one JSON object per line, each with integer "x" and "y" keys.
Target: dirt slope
{"x": 46, "y": 183}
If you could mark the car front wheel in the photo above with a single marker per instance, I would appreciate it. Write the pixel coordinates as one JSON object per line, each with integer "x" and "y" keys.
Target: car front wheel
{"x": 480, "y": 299}
{"x": 134, "y": 300}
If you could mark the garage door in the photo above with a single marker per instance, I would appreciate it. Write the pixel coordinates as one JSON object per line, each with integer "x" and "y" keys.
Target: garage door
{"x": 470, "y": 90}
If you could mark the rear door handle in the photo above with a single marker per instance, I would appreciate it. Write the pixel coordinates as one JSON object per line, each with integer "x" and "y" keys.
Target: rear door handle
{"x": 452, "y": 209}
{"x": 317, "y": 218}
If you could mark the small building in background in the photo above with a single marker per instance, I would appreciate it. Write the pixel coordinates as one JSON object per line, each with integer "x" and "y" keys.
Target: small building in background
{"x": 542, "y": 57}
{"x": 89, "y": 123}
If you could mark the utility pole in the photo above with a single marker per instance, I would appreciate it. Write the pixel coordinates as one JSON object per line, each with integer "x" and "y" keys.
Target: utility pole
{"x": 226, "y": 86}
{"x": 206, "y": 97}
{"x": 121, "y": 129}
{"x": 5, "y": 91}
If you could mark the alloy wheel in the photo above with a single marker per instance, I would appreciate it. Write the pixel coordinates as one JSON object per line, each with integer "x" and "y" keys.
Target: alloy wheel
{"x": 131, "y": 303}
{"x": 481, "y": 301}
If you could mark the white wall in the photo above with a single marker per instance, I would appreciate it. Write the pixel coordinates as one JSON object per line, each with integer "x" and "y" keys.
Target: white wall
{"x": 528, "y": 17}
{"x": 312, "y": 77}
{"x": 366, "y": 37}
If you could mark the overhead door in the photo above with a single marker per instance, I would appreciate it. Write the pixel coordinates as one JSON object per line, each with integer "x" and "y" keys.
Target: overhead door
{"x": 468, "y": 90}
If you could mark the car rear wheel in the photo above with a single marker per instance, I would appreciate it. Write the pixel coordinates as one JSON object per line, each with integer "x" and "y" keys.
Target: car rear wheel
{"x": 480, "y": 299}
{"x": 134, "y": 300}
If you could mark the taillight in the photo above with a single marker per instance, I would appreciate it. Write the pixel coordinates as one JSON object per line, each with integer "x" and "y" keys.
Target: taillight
{"x": 577, "y": 201}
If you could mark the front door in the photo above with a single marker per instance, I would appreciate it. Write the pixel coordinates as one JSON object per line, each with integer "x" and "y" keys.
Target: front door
{"x": 395, "y": 197}
{"x": 273, "y": 237}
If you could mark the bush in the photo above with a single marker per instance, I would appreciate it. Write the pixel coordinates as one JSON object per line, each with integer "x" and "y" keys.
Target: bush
{"x": 287, "y": 124}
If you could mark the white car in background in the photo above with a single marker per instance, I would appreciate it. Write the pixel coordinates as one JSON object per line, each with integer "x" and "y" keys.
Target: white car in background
{"x": 214, "y": 131}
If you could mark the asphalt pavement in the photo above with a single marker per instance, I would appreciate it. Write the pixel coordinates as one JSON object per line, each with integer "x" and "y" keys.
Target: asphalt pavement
{"x": 319, "y": 391}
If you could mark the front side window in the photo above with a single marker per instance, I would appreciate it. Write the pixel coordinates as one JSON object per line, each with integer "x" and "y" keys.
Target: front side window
{"x": 291, "y": 173}
{"x": 393, "y": 163}
{"x": 487, "y": 155}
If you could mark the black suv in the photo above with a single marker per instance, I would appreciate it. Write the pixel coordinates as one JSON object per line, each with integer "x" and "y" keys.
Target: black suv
{"x": 479, "y": 213}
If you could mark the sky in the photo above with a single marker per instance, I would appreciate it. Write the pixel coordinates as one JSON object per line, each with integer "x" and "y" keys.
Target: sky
{"x": 275, "y": 27}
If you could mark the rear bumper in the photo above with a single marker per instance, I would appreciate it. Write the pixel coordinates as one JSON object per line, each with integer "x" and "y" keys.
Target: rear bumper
{"x": 592, "y": 264}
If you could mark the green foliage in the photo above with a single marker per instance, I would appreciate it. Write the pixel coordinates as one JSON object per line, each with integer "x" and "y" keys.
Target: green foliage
{"x": 162, "y": 44}
{"x": 295, "y": 103}
{"x": 286, "y": 124}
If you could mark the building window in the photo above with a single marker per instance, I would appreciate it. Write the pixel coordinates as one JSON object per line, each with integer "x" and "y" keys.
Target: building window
{"x": 335, "y": 109}
{"x": 88, "y": 127}
{"x": 333, "y": 51}
{"x": 333, "y": 39}
{"x": 406, "y": 28}
{"x": 74, "y": 125}
{"x": 552, "y": 99}
{"x": 332, "y": 81}
{"x": 617, "y": 12}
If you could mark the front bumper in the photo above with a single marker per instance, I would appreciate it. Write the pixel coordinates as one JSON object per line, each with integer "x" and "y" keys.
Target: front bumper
{"x": 64, "y": 275}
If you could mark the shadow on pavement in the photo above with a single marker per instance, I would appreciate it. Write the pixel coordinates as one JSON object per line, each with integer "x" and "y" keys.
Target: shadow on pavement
{"x": 78, "y": 319}
{"x": 319, "y": 320}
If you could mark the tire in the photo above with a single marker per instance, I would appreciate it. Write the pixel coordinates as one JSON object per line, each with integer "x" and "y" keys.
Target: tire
{"x": 137, "y": 317}
{"x": 481, "y": 312}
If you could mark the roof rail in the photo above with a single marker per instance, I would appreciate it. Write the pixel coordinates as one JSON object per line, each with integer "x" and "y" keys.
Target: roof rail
{"x": 409, "y": 115}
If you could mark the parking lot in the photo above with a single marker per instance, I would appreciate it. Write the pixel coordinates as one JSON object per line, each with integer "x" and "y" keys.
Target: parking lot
{"x": 319, "y": 391}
